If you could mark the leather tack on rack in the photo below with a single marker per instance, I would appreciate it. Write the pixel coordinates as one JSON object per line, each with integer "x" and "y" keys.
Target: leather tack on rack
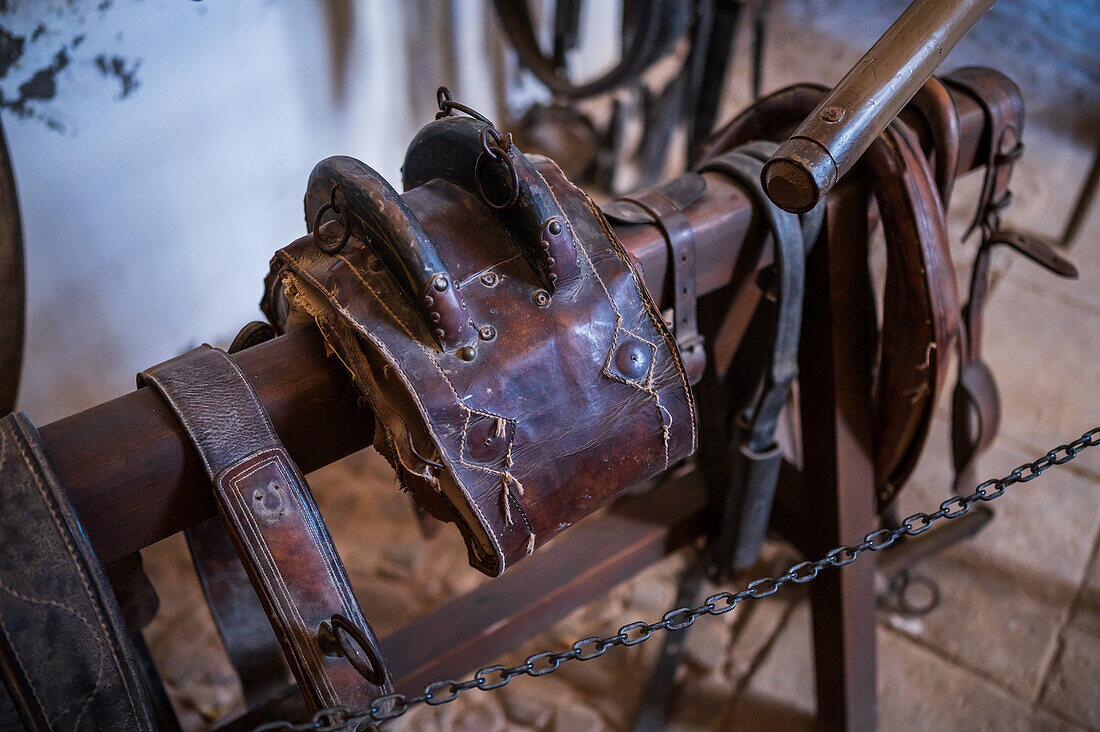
{"x": 663, "y": 206}
{"x": 571, "y": 389}
{"x": 921, "y": 303}
{"x": 976, "y": 406}
{"x": 744, "y": 488}
{"x": 277, "y": 530}
{"x": 52, "y": 586}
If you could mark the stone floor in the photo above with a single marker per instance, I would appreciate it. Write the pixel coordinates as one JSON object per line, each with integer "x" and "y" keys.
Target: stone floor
{"x": 1013, "y": 644}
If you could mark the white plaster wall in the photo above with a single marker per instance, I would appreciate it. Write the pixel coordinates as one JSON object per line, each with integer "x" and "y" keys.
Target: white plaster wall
{"x": 149, "y": 222}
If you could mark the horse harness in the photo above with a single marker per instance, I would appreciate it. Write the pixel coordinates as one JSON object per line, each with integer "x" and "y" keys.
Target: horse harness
{"x": 521, "y": 378}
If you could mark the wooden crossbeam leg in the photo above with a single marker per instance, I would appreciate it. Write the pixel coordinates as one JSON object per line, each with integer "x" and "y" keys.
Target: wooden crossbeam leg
{"x": 838, "y": 468}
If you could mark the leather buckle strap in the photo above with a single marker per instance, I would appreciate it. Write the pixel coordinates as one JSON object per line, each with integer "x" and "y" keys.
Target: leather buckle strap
{"x": 666, "y": 211}
{"x": 1000, "y": 98}
{"x": 274, "y": 523}
{"x": 745, "y": 499}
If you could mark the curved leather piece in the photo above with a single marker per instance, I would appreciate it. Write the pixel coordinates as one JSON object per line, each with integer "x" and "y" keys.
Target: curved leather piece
{"x": 936, "y": 108}
{"x": 377, "y": 215}
{"x": 921, "y": 305}
{"x": 683, "y": 190}
{"x": 920, "y": 308}
{"x": 654, "y": 29}
{"x": 65, "y": 652}
{"x": 270, "y": 515}
{"x": 449, "y": 149}
{"x": 571, "y": 399}
{"x": 976, "y": 409}
{"x": 770, "y": 118}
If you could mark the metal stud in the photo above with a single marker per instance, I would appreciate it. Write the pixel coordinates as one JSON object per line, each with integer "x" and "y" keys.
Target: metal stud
{"x": 487, "y": 332}
{"x": 467, "y": 353}
{"x": 541, "y": 298}
{"x": 554, "y": 227}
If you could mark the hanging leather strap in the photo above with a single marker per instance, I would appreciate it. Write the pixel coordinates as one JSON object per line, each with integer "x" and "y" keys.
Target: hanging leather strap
{"x": 53, "y": 587}
{"x": 277, "y": 529}
{"x": 237, "y": 612}
{"x": 745, "y": 502}
{"x": 1003, "y": 104}
{"x": 666, "y": 211}
{"x": 976, "y": 407}
{"x": 976, "y": 404}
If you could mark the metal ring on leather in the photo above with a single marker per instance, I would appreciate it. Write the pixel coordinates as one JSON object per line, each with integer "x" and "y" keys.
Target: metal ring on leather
{"x": 342, "y": 213}
{"x": 369, "y": 664}
{"x": 501, "y": 156}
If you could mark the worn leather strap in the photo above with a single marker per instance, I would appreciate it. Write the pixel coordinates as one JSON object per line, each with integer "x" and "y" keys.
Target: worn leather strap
{"x": 790, "y": 262}
{"x": 934, "y": 108}
{"x": 277, "y": 529}
{"x": 667, "y": 214}
{"x": 65, "y": 652}
{"x": 976, "y": 405}
{"x": 747, "y": 499}
{"x": 976, "y": 408}
{"x": 1002, "y": 102}
{"x": 237, "y": 612}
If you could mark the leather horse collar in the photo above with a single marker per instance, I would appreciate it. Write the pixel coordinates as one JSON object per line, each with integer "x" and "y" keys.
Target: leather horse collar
{"x": 920, "y": 311}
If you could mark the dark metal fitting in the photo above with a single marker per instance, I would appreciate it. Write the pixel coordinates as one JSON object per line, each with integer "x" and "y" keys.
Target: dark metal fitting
{"x": 332, "y": 639}
{"x": 632, "y": 360}
{"x": 467, "y": 353}
{"x": 487, "y": 332}
{"x": 345, "y": 224}
{"x": 541, "y": 298}
{"x": 554, "y": 227}
{"x": 489, "y": 279}
{"x": 439, "y": 282}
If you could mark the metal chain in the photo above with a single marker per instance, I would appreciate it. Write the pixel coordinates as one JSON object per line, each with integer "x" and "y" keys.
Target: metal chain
{"x": 392, "y": 706}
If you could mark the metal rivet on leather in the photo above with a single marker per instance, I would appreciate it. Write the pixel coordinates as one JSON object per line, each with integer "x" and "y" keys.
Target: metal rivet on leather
{"x": 440, "y": 283}
{"x": 487, "y": 332}
{"x": 554, "y": 226}
{"x": 467, "y": 353}
{"x": 541, "y": 298}
{"x": 489, "y": 279}
{"x": 487, "y": 439}
{"x": 632, "y": 359}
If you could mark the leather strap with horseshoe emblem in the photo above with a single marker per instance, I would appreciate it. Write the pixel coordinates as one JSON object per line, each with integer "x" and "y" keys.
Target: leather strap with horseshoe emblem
{"x": 276, "y": 528}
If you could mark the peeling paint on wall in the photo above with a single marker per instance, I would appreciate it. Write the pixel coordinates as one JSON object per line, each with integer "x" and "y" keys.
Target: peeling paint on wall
{"x": 32, "y": 59}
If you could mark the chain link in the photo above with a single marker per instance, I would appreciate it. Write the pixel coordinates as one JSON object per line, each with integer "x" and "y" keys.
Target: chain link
{"x": 540, "y": 664}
